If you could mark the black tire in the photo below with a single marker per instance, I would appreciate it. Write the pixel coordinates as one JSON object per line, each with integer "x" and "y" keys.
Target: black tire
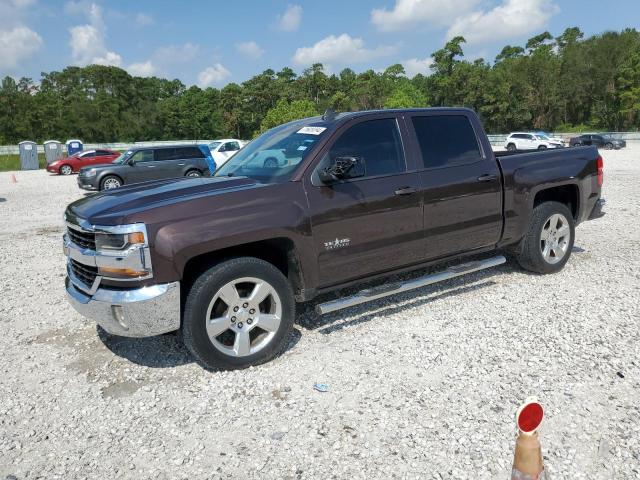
{"x": 66, "y": 170}
{"x": 608, "y": 146}
{"x": 204, "y": 290}
{"x": 530, "y": 256}
{"x": 106, "y": 182}
{"x": 511, "y": 147}
{"x": 193, "y": 173}
{"x": 542, "y": 147}
{"x": 577, "y": 144}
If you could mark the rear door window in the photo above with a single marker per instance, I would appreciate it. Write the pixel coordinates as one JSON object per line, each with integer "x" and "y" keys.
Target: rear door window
{"x": 446, "y": 140}
{"x": 165, "y": 154}
{"x": 377, "y": 142}
{"x": 188, "y": 152}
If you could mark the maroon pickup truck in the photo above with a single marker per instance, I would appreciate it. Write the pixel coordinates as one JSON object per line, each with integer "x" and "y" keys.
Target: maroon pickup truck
{"x": 312, "y": 206}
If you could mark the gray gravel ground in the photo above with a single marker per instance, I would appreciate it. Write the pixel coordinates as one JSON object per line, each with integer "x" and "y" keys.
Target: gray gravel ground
{"x": 421, "y": 385}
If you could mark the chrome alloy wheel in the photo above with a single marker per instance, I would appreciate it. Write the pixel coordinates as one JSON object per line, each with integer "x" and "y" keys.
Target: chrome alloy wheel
{"x": 111, "y": 183}
{"x": 243, "y": 316}
{"x": 554, "y": 238}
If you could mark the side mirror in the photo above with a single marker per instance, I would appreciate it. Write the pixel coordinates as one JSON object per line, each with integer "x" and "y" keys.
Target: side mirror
{"x": 343, "y": 168}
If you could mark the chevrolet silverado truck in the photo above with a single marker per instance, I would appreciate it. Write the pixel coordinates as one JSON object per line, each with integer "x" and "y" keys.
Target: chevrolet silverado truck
{"x": 362, "y": 195}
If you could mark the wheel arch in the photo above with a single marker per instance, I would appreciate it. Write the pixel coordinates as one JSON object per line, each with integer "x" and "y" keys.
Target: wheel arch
{"x": 567, "y": 194}
{"x": 280, "y": 252}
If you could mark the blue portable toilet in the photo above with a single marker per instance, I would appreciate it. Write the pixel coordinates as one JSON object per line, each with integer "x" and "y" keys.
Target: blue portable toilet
{"x": 74, "y": 146}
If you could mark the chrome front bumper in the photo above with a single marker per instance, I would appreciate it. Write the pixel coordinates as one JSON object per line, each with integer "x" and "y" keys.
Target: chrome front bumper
{"x": 138, "y": 312}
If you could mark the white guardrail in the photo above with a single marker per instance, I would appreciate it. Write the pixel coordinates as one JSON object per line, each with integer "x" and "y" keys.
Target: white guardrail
{"x": 495, "y": 139}
{"x": 13, "y": 149}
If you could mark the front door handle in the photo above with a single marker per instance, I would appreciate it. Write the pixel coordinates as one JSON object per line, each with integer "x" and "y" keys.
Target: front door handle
{"x": 181, "y": 164}
{"x": 487, "y": 178}
{"x": 405, "y": 191}
{"x": 151, "y": 166}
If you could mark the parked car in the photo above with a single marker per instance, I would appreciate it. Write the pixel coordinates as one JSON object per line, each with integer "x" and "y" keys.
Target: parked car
{"x": 550, "y": 138}
{"x": 529, "y": 141}
{"x": 371, "y": 194}
{"x": 601, "y": 141}
{"x": 223, "y": 150}
{"x": 148, "y": 163}
{"x": 73, "y": 163}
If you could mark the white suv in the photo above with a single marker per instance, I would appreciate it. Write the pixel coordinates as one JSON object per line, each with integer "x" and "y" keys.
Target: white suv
{"x": 530, "y": 141}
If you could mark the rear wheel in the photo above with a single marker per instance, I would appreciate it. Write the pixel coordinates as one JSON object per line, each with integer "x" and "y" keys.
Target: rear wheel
{"x": 511, "y": 147}
{"x": 542, "y": 147}
{"x": 270, "y": 163}
{"x": 608, "y": 146}
{"x": 576, "y": 144}
{"x": 110, "y": 182}
{"x": 66, "y": 170}
{"x": 237, "y": 314}
{"x": 547, "y": 245}
{"x": 193, "y": 173}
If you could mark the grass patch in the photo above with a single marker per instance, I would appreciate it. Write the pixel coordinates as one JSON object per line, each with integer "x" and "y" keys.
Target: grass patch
{"x": 9, "y": 162}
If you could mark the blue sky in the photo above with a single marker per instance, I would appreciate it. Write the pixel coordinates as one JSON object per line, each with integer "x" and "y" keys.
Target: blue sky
{"x": 212, "y": 43}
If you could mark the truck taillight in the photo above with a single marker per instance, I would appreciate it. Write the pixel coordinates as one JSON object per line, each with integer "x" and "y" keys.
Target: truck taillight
{"x": 600, "y": 166}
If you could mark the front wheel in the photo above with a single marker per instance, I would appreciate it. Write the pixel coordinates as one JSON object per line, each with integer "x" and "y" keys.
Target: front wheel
{"x": 542, "y": 147}
{"x": 237, "y": 314}
{"x": 193, "y": 174}
{"x": 546, "y": 247}
{"x": 66, "y": 170}
{"x": 608, "y": 146}
{"x": 110, "y": 182}
{"x": 511, "y": 147}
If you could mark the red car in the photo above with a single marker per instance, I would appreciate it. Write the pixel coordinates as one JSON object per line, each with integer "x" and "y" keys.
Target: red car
{"x": 68, "y": 165}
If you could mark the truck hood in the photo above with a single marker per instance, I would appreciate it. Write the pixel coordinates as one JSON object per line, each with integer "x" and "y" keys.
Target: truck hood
{"x": 112, "y": 207}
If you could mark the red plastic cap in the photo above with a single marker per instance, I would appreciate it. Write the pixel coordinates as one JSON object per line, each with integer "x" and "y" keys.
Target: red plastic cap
{"x": 530, "y": 417}
{"x": 600, "y": 167}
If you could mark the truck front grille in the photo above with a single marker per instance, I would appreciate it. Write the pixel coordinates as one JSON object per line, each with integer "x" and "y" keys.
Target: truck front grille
{"x": 85, "y": 273}
{"x": 82, "y": 238}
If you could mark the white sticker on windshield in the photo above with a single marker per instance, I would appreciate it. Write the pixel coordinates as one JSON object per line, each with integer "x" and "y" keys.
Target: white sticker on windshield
{"x": 312, "y": 130}
{"x": 302, "y": 148}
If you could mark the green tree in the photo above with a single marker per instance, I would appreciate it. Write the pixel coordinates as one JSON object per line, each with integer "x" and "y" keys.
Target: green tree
{"x": 405, "y": 95}
{"x": 285, "y": 112}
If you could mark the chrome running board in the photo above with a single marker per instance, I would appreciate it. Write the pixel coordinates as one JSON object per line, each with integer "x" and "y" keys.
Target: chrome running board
{"x": 385, "y": 290}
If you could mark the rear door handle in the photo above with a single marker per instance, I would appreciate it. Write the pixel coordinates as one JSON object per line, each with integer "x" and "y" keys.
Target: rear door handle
{"x": 487, "y": 178}
{"x": 405, "y": 191}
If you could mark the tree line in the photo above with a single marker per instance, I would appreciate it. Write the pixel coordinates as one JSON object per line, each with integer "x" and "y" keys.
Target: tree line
{"x": 564, "y": 83}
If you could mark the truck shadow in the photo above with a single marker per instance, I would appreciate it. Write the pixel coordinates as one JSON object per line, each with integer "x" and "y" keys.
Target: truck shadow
{"x": 162, "y": 351}
{"x": 333, "y": 322}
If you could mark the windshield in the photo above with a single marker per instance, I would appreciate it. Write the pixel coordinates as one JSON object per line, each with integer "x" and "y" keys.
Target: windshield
{"x": 214, "y": 145}
{"x": 123, "y": 157}
{"x": 274, "y": 155}
{"x": 542, "y": 137}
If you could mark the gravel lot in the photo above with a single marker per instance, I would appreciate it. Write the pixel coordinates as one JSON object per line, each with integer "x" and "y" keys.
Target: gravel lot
{"x": 421, "y": 385}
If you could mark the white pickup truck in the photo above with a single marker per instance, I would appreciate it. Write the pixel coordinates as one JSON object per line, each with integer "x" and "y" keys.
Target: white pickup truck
{"x": 530, "y": 141}
{"x": 222, "y": 150}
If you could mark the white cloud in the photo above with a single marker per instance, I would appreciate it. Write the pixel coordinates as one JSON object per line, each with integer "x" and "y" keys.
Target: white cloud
{"x": 87, "y": 42}
{"x": 342, "y": 49}
{"x": 290, "y": 19}
{"x": 143, "y": 19}
{"x": 17, "y": 41}
{"x": 177, "y": 53}
{"x": 16, "y": 45}
{"x": 142, "y": 69}
{"x": 214, "y": 75}
{"x": 414, "y": 66}
{"x": 414, "y": 13}
{"x": 250, "y": 49}
{"x": 510, "y": 19}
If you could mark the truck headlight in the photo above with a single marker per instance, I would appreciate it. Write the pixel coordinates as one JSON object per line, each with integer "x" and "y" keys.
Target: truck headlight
{"x": 111, "y": 242}
{"x": 123, "y": 252}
